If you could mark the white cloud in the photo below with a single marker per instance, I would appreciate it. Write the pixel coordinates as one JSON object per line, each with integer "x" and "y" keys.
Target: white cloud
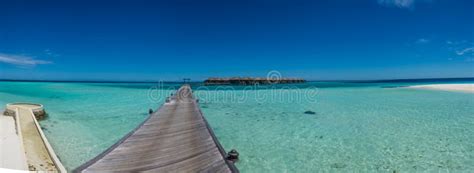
{"x": 465, "y": 51}
{"x": 409, "y": 4}
{"x": 422, "y": 41}
{"x": 50, "y": 53}
{"x": 398, "y": 3}
{"x": 22, "y": 61}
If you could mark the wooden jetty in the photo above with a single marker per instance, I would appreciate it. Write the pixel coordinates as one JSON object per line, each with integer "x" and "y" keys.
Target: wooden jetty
{"x": 251, "y": 81}
{"x": 175, "y": 138}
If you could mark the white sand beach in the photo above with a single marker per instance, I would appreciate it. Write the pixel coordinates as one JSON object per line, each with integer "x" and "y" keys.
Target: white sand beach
{"x": 447, "y": 87}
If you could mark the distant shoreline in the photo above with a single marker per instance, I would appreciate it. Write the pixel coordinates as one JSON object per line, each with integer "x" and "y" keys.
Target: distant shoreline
{"x": 460, "y": 79}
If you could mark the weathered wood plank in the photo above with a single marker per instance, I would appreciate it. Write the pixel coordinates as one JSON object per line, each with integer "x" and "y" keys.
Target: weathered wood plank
{"x": 175, "y": 138}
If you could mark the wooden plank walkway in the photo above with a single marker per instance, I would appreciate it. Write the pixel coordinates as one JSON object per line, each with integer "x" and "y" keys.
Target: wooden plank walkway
{"x": 175, "y": 138}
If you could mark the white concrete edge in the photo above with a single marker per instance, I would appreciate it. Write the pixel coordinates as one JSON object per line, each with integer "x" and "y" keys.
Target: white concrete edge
{"x": 4, "y": 170}
{"x": 41, "y": 107}
{"x": 51, "y": 152}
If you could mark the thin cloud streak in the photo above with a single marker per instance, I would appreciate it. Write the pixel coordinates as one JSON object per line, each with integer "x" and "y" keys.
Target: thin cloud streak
{"x": 398, "y": 3}
{"x": 422, "y": 41}
{"x": 21, "y": 61}
{"x": 466, "y": 50}
{"x": 407, "y": 4}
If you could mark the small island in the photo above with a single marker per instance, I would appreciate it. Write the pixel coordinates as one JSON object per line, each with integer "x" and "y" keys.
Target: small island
{"x": 251, "y": 81}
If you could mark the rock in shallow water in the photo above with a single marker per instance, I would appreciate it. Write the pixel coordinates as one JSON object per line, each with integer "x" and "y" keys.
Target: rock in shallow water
{"x": 338, "y": 165}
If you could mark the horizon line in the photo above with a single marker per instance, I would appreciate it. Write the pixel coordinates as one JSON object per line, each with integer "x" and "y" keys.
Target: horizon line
{"x": 201, "y": 81}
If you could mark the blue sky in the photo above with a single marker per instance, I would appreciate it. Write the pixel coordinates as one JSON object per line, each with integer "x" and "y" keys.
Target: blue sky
{"x": 169, "y": 40}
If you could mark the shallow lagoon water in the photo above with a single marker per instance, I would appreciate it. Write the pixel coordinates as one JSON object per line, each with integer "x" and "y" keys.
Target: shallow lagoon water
{"x": 363, "y": 127}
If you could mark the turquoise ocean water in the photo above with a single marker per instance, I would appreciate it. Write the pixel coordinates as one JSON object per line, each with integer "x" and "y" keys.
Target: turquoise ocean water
{"x": 361, "y": 127}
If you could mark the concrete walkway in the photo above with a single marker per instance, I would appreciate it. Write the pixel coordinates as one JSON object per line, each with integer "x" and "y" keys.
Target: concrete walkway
{"x": 30, "y": 138}
{"x": 12, "y": 154}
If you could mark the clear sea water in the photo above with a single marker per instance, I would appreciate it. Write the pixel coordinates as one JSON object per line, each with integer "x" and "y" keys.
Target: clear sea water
{"x": 356, "y": 127}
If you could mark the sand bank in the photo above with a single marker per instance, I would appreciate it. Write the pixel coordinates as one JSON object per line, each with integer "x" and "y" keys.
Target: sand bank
{"x": 447, "y": 87}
